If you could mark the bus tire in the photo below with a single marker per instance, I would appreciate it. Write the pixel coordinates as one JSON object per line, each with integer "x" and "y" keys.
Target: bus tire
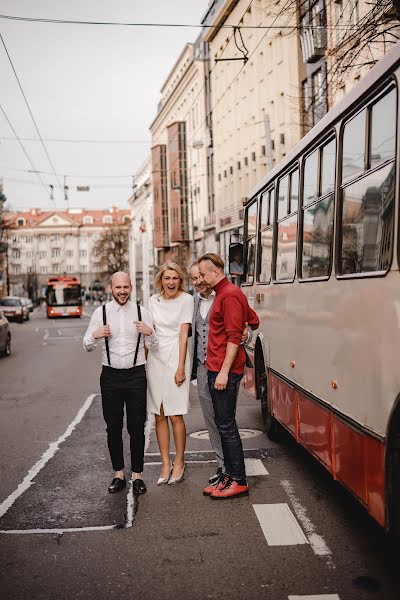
{"x": 271, "y": 426}
{"x": 393, "y": 477}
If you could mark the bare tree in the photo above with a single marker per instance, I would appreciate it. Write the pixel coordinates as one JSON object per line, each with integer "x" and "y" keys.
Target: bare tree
{"x": 112, "y": 249}
{"x": 351, "y": 36}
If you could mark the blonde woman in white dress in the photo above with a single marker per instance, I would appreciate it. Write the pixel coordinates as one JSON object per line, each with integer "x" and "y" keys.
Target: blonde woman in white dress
{"x": 168, "y": 367}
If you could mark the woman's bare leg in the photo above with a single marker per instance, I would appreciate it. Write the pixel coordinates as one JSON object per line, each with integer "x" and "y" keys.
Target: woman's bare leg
{"x": 179, "y": 431}
{"x": 162, "y": 432}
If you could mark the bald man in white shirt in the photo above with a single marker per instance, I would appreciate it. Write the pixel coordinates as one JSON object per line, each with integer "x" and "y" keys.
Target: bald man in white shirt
{"x": 123, "y": 378}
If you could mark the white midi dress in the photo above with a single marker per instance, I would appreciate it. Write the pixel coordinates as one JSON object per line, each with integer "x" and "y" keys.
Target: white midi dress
{"x": 162, "y": 360}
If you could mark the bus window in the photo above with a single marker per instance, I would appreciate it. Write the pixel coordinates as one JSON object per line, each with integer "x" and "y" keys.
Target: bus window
{"x": 294, "y": 192}
{"x": 354, "y": 147}
{"x": 266, "y": 236}
{"x": 250, "y": 242}
{"x": 367, "y": 220}
{"x": 287, "y": 231}
{"x": 383, "y": 132}
{"x": 283, "y": 197}
{"x": 367, "y": 204}
{"x": 328, "y": 168}
{"x": 310, "y": 185}
{"x": 318, "y": 217}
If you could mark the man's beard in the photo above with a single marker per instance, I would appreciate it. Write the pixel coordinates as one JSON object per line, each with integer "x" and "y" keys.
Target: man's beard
{"x": 118, "y": 301}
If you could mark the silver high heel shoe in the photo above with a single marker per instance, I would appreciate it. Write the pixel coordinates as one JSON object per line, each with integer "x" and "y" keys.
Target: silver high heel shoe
{"x": 164, "y": 480}
{"x": 173, "y": 480}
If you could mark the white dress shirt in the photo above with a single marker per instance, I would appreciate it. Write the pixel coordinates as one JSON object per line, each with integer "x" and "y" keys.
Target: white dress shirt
{"x": 123, "y": 339}
{"x": 206, "y": 304}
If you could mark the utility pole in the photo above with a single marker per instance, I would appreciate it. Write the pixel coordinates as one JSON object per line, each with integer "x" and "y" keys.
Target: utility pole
{"x": 268, "y": 148}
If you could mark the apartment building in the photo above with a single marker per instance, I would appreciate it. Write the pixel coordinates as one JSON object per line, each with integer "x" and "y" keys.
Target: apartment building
{"x": 142, "y": 254}
{"x": 254, "y": 104}
{"x": 184, "y": 217}
{"x": 46, "y": 243}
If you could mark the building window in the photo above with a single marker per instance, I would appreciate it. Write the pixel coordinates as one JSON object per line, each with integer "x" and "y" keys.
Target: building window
{"x": 70, "y": 268}
{"x": 21, "y": 222}
{"x": 41, "y": 238}
{"x": 42, "y": 254}
{"x": 88, "y": 220}
{"x": 55, "y": 237}
{"x": 56, "y": 268}
{"x": 107, "y": 219}
{"x": 16, "y": 254}
{"x": 17, "y": 269}
{"x": 82, "y": 253}
{"x": 69, "y": 253}
{"x": 55, "y": 253}
{"x": 29, "y": 239}
{"x": 83, "y": 268}
{"x": 43, "y": 269}
{"x": 29, "y": 254}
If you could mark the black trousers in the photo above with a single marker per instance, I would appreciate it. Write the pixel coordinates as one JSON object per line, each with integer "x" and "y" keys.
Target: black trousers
{"x": 124, "y": 388}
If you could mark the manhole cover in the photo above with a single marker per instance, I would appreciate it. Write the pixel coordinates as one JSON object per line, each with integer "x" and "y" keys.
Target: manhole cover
{"x": 244, "y": 434}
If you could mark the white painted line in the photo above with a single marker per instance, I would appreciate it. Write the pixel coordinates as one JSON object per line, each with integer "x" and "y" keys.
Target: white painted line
{"x": 317, "y": 597}
{"x": 279, "y": 525}
{"x": 317, "y": 542}
{"x": 254, "y": 467}
{"x": 36, "y": 329}
{"x": 57, "y": 531}
{"x": 188, "y": 462}
{"x": 46, "y": 335}
{"x": 59, "y": 331}
{"x": 129, "y": 506}
{"x": 44, "y": 344}
{"x": 50, "y": 452}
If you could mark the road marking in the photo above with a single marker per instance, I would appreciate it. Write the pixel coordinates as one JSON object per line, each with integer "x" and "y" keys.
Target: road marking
{"x": 36, "y": 329}
{"x": 317, "y": 542}
{"x": 279, "y": 525}
{"x": 50, "y": 452}
{"x": 254, "y": 467}
{"x": 317, "y": 597}
{"x": 46, "y": 335}
{"x": 59, "y": 331}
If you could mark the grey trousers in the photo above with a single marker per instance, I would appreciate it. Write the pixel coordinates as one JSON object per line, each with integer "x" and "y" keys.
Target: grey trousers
{"x": 208, "y": 413}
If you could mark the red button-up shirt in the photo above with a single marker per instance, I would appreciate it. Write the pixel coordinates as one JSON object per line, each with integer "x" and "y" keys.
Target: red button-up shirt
{"x": 229, "y": 314}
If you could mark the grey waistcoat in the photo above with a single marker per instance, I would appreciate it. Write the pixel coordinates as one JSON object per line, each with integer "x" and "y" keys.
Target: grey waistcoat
{"x": 202, "y": 334}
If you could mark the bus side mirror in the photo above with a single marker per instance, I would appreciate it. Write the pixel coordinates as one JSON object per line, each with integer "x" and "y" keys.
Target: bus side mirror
{"x": 236, "y": 263}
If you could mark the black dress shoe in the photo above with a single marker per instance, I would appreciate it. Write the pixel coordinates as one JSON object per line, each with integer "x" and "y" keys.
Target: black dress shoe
{"x": 117, "y": 485}
{"x": 138, "y": 487}
{"x": 215, "y": 478}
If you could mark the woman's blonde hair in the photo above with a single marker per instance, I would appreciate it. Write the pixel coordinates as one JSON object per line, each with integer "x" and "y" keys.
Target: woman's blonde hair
{"x": 169, "y": 266}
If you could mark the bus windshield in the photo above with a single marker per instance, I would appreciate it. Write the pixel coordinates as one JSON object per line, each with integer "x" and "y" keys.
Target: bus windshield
{"x": 63, "y": 295}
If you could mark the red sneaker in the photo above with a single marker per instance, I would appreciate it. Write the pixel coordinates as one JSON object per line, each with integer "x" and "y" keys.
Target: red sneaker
{"x": 229, "y": 489}
{"x": 207, "y": 491}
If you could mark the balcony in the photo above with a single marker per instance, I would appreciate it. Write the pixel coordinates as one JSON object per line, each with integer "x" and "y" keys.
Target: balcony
{"x": 313, "y": 43}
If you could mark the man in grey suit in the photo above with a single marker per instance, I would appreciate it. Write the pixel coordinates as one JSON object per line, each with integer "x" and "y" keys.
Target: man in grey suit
{"x": 203, "y": 301}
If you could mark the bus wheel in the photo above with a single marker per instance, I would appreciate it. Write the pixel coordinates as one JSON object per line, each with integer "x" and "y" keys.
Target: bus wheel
{"x": 393, "y": 473}
{"x": 271, "y": 426}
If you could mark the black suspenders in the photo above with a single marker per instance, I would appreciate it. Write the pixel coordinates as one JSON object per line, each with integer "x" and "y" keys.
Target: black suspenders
{"x": 106, "y": 339}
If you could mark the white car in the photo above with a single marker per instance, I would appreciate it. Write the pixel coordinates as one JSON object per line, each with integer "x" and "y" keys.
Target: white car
{"x": 5, "y": 336}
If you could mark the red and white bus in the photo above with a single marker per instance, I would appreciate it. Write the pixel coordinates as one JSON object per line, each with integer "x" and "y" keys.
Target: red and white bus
{"x": 321, "y": 268}
{"x": 63, "y": 297}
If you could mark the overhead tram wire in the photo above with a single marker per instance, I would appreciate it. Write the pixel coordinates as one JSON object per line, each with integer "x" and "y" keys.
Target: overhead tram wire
{"x": 163, "y": 25}
{"x": 30, "y": 112}
{"x": 78, "y": 141}
{"x": 34, "y": 169}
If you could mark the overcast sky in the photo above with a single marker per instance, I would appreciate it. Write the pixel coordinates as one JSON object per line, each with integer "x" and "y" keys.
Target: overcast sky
{"x": 84, "y": 82}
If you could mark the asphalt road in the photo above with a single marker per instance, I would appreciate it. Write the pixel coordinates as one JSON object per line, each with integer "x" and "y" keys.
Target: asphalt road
{"x": 62, "y": 536}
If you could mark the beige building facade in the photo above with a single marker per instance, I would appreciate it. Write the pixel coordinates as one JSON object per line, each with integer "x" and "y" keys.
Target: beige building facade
{"x": 182, "y": 185}
{"x": 46, "y": 243}
{"x": 142, "y": 254}
{"x": 254, "y": 100}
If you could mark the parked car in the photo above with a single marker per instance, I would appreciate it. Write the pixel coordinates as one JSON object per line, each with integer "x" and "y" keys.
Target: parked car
{"x": 13, "y": 308}
{"x": 30, "y": 305}
{"x": 25, "y": 306}
{"x": 5, "y": 335}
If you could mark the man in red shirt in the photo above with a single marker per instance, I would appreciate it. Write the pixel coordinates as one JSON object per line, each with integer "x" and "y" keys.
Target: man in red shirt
{"x": 226, "y": 359}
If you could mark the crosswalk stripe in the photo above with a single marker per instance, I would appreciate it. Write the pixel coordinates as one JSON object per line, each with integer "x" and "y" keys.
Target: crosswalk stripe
{"x": 316, "y": 597}
{"x": 254, "y": 467}
{"x": 279, "y": 525}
